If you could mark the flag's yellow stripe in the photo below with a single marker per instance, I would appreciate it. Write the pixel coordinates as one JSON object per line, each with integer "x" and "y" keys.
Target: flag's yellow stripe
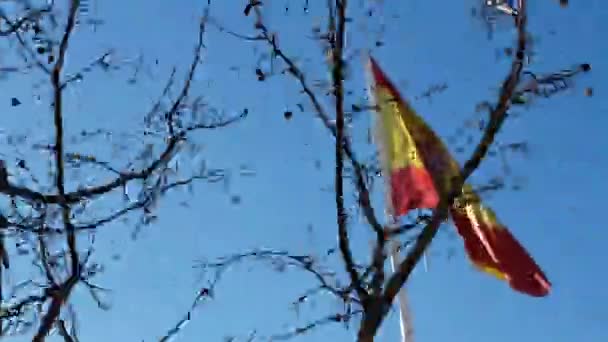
{"x": 399, "y": 145}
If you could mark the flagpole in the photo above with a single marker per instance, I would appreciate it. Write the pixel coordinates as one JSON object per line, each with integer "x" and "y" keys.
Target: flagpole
{"x": 405, "y": 322}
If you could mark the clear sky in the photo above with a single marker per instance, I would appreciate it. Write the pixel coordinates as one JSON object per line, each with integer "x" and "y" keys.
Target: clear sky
{"x": 557, "y": 214}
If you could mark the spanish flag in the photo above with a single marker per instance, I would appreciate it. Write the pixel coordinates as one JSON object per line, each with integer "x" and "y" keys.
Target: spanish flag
{"x": 419, "y": 168}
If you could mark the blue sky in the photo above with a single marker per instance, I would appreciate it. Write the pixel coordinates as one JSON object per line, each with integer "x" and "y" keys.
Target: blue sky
{"x": 556, "y": 214}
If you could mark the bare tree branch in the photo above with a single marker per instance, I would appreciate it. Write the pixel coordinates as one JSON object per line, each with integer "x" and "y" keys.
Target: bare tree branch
{"x": 337, "y": 45}
{"x": 19, "y": 25}
{"x": 61, "y": 295}
{"x": 294, "y": 70}
{"x": 40, "y": 215}
{"x": 63, "y": 331}
{"x": 202, "y": 295}
{"x": 330, "y": 319}
{"x": 281, "y": 260}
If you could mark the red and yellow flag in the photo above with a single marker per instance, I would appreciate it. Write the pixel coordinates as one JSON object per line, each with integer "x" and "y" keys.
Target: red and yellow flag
{"x": 420, "y": 169}
{"x": 411, "y": 183}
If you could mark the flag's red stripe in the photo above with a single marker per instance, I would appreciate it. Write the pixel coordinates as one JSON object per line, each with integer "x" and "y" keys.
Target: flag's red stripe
{"x": 524, "y": 274}
{"x": 412, "y": 188}
{"x": 520, "y": 270}
{"x": 476, "y": 250}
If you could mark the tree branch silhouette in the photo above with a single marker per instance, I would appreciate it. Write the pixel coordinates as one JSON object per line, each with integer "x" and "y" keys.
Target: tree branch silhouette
{"x": 43, "y": 215}
{"x": 62, "y": 293}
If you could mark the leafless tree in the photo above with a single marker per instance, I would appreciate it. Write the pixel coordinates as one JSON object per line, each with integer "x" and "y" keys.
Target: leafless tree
{"x": 53, "y": 220}
{"x": 368, "y": 292}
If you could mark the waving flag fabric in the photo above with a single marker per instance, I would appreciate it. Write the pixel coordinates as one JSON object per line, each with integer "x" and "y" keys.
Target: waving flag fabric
{"x": 420, "y": 169}
{"x": 411, "y": 184}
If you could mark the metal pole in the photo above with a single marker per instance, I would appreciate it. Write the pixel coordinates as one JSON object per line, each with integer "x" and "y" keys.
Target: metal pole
{"x": 405, "y": 321}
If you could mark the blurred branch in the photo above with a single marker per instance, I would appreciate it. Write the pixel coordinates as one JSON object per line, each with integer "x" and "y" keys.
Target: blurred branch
{"x": 18, "y": 308}
{"x": 61, "y": 294}
{"x": 143, "y": 202}
{"x": 100, "y": 61}
{"x": 337, "y": 46}
{"x": 154, "y": 166}
{"x": 329, "y": 319}
{"x": 548, "y": 85}
{"x": 195, "y": 62}
{"x": 294, "y": 70}
{"x": 200, "y": 297}
{"x": 29, "y": 21}
{"x": 63, "y": 331}
{"x": 281, "y": 260}
{"x": 42, "y": 215}
{"x": 20, "y": 24}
